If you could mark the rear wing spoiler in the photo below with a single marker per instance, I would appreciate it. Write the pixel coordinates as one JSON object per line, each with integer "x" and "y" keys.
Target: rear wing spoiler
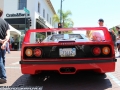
{"x": 104, "y": 29}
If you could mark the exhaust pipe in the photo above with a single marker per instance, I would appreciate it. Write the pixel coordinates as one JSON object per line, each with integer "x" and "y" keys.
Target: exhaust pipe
{"x": 67, "y": 70}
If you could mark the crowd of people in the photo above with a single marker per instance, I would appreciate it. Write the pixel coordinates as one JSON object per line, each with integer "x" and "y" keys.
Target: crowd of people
{"x": 115, "y": 35}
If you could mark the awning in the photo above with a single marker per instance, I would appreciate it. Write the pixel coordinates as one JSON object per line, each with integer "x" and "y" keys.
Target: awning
{"x": 14, "y": 31}
{"x": 41, "y": 23}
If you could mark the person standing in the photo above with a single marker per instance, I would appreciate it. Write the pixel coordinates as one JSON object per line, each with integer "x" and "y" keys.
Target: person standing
{"x": 7, "y": 47}
{"x": 116, "y": 31}
{"x": 12, "y": 43}
{"x": 118, "y": 44}
{"x": 116, "y": 34}
{"x": 93, "y": 34}
{"x": 112, "y": 32}
{"x": 4, "y": 37}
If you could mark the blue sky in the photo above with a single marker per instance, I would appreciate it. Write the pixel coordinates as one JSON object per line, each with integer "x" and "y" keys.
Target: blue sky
{"x": 87, "y": 12}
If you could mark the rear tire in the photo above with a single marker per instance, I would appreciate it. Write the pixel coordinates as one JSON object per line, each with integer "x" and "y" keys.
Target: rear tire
{"x": 34, "y": 75}
{"x": 101, "y": 74}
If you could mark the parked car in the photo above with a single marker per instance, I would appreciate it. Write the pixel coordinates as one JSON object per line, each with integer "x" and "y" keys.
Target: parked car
{"x": 68, "y": 53}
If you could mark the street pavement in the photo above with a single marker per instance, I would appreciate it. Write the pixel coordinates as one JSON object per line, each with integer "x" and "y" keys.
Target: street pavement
{"x": 84, "y": 80}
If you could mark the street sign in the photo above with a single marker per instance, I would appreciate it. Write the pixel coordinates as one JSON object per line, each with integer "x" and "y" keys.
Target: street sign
{"x": 26, "y": 10}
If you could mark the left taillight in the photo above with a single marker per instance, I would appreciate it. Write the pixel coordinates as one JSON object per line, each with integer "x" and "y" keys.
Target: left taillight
{"x": 37, "y": 52}
{"x": 29, "y": 52}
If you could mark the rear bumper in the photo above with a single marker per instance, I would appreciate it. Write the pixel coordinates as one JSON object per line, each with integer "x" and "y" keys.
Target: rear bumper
{"x": 101, "y": 66}
{"x": 68, "y": 62}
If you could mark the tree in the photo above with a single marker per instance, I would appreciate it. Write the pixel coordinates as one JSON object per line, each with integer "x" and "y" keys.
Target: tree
{"x": 114, "y": 29}
{"x": 40, "y": 35}
{"x": 67, "y": 22}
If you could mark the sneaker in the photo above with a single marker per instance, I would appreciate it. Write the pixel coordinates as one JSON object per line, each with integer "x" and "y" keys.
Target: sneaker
{"x": 2, "y": 81}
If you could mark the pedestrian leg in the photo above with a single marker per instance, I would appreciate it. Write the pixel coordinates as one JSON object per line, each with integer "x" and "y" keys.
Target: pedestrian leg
{"x": 119, "y": 49}
{"x": 3, "y": 56}
{"x": 2, "y": 68}
{"x": 8, "y": 48}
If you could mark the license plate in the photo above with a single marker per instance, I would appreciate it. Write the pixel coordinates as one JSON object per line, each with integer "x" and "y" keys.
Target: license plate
{"x": 67, "y": 52}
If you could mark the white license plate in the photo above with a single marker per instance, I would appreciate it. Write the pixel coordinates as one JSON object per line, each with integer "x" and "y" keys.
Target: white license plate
{"x": 67, "y": 52}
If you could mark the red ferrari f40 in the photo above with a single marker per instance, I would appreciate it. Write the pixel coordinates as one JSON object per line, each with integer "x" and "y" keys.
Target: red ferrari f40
{"x": 67, "y": 50}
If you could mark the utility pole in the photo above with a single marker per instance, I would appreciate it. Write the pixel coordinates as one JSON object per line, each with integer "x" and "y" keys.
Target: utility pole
{"x": 26, "y": 12}
{"x": 60, "y": 25}
{"x": 25, "y": 22}
{"x": 61, "y": 12}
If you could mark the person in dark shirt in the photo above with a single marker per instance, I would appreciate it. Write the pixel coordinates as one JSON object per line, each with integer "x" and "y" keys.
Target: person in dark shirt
{"x": 4, "y": 37}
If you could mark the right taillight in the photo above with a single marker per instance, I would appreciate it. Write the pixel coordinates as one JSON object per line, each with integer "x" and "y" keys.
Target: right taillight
{"x": 96, "y": 51}
{"x": 106, "y": 50}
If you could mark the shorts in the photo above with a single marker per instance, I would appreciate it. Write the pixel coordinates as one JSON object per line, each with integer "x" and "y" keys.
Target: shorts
{"x": 118, "y": 32}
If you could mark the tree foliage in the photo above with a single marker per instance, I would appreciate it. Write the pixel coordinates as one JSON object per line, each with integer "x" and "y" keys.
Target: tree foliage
{"x": 67, "y": 22}
{"x": 40, "y": 35}
{"x": 114, "y": 29}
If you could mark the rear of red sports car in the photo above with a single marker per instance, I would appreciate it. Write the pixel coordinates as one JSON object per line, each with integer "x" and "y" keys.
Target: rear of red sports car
{"x": 68, "y": 53}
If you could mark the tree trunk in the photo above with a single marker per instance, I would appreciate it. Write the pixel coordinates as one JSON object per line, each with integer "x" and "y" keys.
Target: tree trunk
{"x": 63, "y": 23}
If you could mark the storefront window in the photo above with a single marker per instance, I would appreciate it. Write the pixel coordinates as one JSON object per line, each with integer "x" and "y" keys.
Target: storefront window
{"x": 22, "y": 4}
{"x": 50, "y": 20}
{"x": 19, "y": 27}
{"x": 39, "y": 7}
{"x": 44, "y": 13}
{"x": 47, "y": 17}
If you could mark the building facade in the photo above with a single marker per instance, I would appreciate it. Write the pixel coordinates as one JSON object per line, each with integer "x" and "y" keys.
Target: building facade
{"x": 41, "y": 13}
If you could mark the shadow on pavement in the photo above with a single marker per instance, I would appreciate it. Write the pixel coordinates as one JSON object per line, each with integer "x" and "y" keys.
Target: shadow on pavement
{"x": 84, "y": 80}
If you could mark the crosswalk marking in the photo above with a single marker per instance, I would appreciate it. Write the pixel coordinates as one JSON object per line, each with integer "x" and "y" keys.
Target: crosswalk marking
{"x": 12, "y": 57}
{"x": 12, "y": 67}
{"x": 16, "y": 63}
{"x": 115, "y": 79}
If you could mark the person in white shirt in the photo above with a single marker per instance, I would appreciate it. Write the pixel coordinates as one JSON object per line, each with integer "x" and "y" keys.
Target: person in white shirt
{"x": 96, "y": 35}
{"x": 101, "y": 24}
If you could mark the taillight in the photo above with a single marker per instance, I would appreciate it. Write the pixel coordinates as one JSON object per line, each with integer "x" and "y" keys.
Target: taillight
{"x": 96, "y": 51}
{"x": 105, "y": 50}
{"x": 29, "y": 52}
{"x": 37, "y": 52}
